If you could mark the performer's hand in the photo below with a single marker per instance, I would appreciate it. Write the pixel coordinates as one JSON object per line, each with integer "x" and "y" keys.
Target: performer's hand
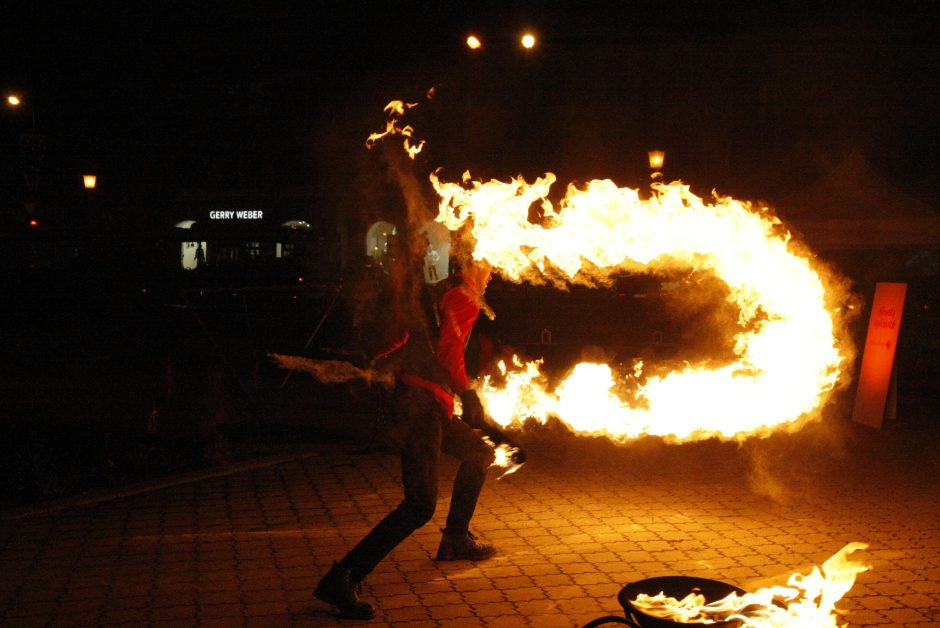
{"x": 473, "y": 413}
{"x": 475, "y": 416}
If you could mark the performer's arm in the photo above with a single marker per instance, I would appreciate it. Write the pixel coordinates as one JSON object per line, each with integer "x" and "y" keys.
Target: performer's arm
{"x": 459, "y": 313}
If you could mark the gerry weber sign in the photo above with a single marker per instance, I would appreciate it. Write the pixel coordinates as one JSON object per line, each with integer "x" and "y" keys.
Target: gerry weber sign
{"x": 241, "y": 214}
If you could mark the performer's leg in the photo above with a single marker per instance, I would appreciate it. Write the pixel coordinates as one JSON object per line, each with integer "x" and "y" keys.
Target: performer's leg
{"x": 419, "y": 461}
{"x": 475, "y": 456}
{"x": 419, "y": 458}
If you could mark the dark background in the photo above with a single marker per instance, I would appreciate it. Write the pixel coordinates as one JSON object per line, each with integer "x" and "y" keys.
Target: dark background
{"x": 165, "y": 98}
{"x": 114, "y": 370}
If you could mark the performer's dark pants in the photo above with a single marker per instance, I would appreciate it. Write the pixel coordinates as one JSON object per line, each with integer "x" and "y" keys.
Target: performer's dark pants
{"x": 425, "y": 431}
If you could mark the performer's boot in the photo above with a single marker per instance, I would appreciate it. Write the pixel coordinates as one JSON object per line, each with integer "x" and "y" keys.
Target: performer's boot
{"x": 463, "y": 546}
{"x": 341, "y": 588}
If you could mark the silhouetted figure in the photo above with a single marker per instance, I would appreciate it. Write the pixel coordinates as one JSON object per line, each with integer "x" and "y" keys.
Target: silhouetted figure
{"x": 428, "y": 371}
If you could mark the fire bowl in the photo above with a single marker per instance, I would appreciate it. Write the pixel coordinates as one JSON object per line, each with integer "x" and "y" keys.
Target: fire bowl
{"x": 673, "y": 586}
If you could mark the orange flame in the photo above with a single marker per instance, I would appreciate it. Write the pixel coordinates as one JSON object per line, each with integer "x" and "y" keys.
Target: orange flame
{"x": 394, "y": 111}
{"x": 787, "y": 356}
{"x": 806, "y": 602}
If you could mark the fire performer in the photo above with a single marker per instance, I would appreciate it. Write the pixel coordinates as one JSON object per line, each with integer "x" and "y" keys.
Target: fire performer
{"x": 428, "y": 373}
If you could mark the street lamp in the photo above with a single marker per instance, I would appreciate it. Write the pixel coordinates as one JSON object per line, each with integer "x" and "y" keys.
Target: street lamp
{"x": 473, "y": 42}
{"x": 90, "y": 181}
{"x": 657, "y": 157}
{"x": 15, "y": 101}
{"x": 528, "y": 41}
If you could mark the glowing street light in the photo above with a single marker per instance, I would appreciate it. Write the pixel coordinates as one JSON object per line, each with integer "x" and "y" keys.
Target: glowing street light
{"x": 15, "y": 101}
{"x": 657, "y": 157}
{"x": 90, "y": 181}
{"x": 528, "y": 41}
{"x": 474, "y": 43}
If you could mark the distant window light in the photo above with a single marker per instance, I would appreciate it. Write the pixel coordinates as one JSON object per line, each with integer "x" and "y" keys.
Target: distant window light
{"x": 378, "y": 238}
{"x": 296, "y": 224}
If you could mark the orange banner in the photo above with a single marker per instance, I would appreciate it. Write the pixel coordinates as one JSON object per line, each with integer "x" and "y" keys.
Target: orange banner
{"x": 878, "y": 356}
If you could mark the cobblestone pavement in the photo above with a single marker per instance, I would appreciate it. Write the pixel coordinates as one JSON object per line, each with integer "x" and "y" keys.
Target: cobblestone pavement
{"x": 579, "y": 521}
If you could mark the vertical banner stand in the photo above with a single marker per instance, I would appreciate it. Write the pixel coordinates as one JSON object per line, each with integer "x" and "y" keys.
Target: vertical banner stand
{"x": 878, "y": 377}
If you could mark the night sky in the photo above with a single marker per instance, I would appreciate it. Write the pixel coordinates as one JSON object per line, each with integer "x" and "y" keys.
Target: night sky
{"x": 129, "y": 88}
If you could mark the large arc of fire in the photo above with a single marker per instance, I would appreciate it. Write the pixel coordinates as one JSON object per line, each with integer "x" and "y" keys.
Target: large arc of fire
{"x": 787, "y": 354}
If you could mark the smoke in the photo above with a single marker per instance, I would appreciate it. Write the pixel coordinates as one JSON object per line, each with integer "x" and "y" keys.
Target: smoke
{"x": 333, "y": 371}
{"x": 418, "y": 204}
{"x": 386, "y": 298}
{"x": 846, "y": 306}
{"x": 764, "y": 480}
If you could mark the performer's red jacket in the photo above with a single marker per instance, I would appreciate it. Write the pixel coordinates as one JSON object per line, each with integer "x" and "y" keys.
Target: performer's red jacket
{"x": 445, "y": 372}
{"x": 460, "y": 307}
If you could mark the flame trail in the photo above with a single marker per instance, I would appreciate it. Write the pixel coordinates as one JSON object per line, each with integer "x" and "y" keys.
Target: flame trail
{"x": 786, "y": 353}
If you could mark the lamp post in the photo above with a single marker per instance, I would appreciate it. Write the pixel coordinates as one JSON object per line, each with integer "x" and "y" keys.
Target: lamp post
{"x": 32, "y": 150}
{"x": 656, "y": 158}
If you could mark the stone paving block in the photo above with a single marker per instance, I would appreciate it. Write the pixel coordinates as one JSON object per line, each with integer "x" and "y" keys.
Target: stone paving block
{"x": 434, "y": 586}
{"x": 407, "y": 614}
{"x": 878, "y": 602}
{"x": 511, "y": 582}
{"x": 471, "y": 584}
{"x": 524, "y": 595}
{"x": 284, "y": 620}
{"x": 905, "y": 616}
{"x": 552, "y": 580}
{"x": 444, "y": 614}
{"x": 538, "y": 607}
{"x": 484, "y": 596}
{"x": 898, "y": 587}
{"x": 564, "y": 592}
{"x": 401, "y": 601}
{"x": 465, "y": 622}
{"x": 265, "y": 609}
{"x": 930, "y": 588}
{"x": 75, "y": 620}
{"x": 182, "y": 614}
{"x": 494, "y": 609}
{"x": 228, "y": 610}
{"x": 502, "y": 621}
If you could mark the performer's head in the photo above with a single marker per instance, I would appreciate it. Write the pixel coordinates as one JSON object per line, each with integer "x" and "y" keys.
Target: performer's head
{"x": 478, "y": 273}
